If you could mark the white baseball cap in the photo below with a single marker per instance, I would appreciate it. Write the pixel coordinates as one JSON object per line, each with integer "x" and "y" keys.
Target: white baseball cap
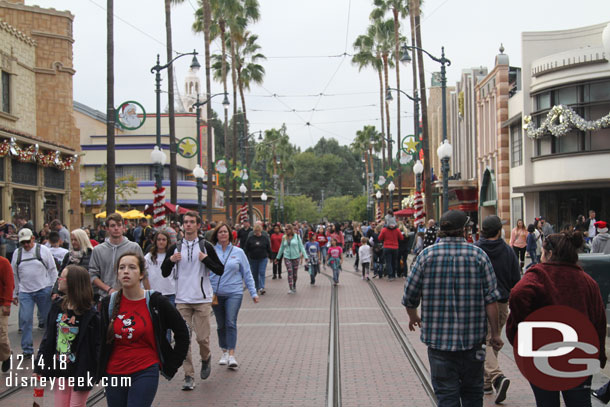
{"x": 25, "y": 234}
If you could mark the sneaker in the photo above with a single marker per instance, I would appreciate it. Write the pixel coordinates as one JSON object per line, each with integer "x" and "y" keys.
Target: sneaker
{"x": 189, "y": 383}
{"x": 224, "y": 359}
{"x": 6, "y": 365}
{"x": 500, "y": 387}
{"x": 262, "y": 291}
{"x": 602, "y": 394}
{"x": 290, "y": 291}
{"x": 280, "y": 276}
{"x": 487, "y": 389}
{"x": 232, "y": 362}
{"x": 274, "y": 277}
{"x": 206, "y": 368}
{"x": 27, "y": 356}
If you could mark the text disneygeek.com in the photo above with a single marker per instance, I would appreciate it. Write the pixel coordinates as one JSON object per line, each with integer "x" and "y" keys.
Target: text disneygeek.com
{"x": 61, "y": 383}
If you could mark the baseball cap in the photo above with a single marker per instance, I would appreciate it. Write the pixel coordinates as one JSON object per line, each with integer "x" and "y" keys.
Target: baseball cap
{"x": 453, "y": 220}
{"x": 491, "y": 224}
{"x": 25, "y": 234}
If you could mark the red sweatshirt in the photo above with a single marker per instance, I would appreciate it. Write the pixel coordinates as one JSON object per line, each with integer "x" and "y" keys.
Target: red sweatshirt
{"x": 557, "y": 284}
{"x": 7, "y": 282}
{"x": 276, "y": 241}
{"x": 390, "y": 237}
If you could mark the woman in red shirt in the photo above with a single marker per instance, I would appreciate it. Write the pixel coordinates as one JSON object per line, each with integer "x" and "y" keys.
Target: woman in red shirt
{"x": 136, "y": 346}
{"x": 321, "y": 238}
{"x": 276, "y": 242}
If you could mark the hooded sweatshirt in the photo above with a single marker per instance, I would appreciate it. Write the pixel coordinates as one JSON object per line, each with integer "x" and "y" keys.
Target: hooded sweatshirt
{"x": 505, "y": 264}
{"x": 601, "y": 243}
{"x": 103, "y": 261}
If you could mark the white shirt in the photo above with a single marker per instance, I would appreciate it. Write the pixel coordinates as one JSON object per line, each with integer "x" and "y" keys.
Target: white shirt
{"x": 592, "y": 229}
{"x": 364, "y": 253}
{"x": 32, "y": 274}
{"x": 190, "y": 288}
{"x": 59, "y": 253}
{"x": 164, "y": 285}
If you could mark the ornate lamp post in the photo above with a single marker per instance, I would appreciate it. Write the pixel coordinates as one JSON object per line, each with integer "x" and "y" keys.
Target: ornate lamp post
{"x": 158, "y": 158}
{"x": 444, "y": 152}
{"x": 243, "y": 190}
{"x": 199, "y": 174}
{"x": 264, "y": 199}
{"x": 418, "y": 169}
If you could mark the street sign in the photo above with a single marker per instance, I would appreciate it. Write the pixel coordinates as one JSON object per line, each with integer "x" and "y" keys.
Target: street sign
{"x": 130, "y": 115}
{"x": 187, "y": 147}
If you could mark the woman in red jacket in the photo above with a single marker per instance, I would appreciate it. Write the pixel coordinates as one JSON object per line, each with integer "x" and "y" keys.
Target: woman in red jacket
{"x": 276, "y": 242}
{"x": 558, "y": 280}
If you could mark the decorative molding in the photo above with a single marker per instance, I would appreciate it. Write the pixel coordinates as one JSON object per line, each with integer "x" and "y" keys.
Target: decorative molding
{"x": 55, "y": 67}
{"x": 8, "y": 116}
{"x": 568, "y": 60}
{"x": 52, "y": 35}
{"x": 37, "y": 9}
{"x": 16, "y": 33}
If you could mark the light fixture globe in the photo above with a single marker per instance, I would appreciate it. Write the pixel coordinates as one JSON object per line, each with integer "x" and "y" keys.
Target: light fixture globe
{"x": 198, "y": 172}
{"x": 157, "y": 155}
{"x": 263, "y": 197}
{"x": 388, "y": 95}
{"x": 391, "y": 186}
{"x": 445, "y": 150}
{"x": 418, "y": 168}
{"x": 225, "y": 102}
{"x": 405, "y": 58}
{"x": 243, "y": 189}
{"x": 378, "y": 195}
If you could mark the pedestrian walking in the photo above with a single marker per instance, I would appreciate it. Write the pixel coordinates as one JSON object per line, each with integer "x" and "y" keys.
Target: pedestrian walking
{"x": 590, "y": 226}
{"x": 532, "y": 246}
{"x": 323, "y": 241}
{"x": 134, "y": 344}
{"x": 34, "y": 272}
{"x": 601, "y": 241}
{"x": 335, "y": 259}
{"x": 357, "y": 242}
{"x": 292, "y": 251}
{"x": 154, "y": 259}
{"x": 365, "y": 253}
{"x": 7, "y": 286}
{"x": 508, "y": 272}
{"x": 78, "y": 255}
{"x": 71, "y": 342}
{"x": 276, "y": 241}
{"x": 229, "y": 292}
{"x": 193, "y": 258}
{"x": 258, "y": 250}
{"x": 559, "y": 280}
{"x": 313, "y": 259}
{"x": 430, "y": 234}
{"x": 518, "y": 241}
{"x": 390, "y": 236}
{"x": 456, "y": 281}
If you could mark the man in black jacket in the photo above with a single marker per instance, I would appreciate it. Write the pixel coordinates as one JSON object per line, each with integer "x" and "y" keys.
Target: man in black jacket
{"x": 508, "y": 273}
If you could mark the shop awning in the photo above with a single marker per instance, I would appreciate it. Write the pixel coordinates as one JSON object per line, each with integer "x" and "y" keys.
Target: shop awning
{"x": 405, "y": 212}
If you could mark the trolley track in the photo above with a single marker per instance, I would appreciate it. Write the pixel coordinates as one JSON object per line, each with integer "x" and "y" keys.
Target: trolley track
{"x": 333, "y": 389}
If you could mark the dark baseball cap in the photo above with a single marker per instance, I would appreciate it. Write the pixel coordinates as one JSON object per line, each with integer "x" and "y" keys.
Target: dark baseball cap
{"x": 491, "y": 224}
{"x": 453, "y": 220}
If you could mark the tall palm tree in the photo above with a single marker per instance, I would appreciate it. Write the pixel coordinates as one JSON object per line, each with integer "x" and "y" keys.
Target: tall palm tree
{"x": 173, "y": 163}
{"x": 203, "y": 17}
{"x": 110, "y": 152}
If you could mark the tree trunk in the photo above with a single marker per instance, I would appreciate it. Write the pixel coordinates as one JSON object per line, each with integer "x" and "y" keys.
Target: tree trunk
{"x": 424, "y": 114}
{"x": 235, "y": 133}
{"x": 226, "y": 121}
{"x": 207, "y": 21}
{"x": 110, "y": 115}
{"x": 243, "y": 106}
{"x": 173, "y": 164}
{"x": 383, "y": 137}
{"x": 386, "y": 73}
{"x": 398, "y": 135}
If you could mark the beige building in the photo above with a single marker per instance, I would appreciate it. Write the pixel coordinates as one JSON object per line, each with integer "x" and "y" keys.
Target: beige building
{"x": 36, "y": 114}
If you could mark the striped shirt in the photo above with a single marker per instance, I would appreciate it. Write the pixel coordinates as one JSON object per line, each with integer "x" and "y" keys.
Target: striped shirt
{"x": 456, "y": 280}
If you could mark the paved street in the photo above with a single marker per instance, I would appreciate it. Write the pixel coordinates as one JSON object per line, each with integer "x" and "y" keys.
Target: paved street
{"x": 283, "y": 345}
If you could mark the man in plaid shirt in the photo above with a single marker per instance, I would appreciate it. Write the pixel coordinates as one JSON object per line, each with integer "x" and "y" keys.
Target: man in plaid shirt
{"x": 457, "y": 283}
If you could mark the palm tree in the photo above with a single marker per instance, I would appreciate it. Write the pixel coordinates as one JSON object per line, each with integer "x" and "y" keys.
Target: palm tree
{"x": 202, "y": 24}
{"x": 110, "y": 153}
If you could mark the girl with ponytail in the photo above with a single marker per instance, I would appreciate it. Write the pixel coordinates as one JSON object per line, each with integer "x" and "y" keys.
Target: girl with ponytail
{"x": 559, "y": 280}
{"x": 135, "y": 345}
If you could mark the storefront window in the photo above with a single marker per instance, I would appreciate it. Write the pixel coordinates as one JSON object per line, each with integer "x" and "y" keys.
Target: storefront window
{"x": 53, "y": 207}
{"x": 24, "y": 204}
{"x": 54, "y": 178}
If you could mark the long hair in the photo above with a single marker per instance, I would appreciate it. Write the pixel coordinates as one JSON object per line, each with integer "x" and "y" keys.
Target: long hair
{"x": 289, "y": 231}
{"x": 522, "y": 224}
{"x": 82, "y": 239}
{"x": 80, "y": 293}
{"x": 154, "y": 249}
{"x": 119, "y": 294}
{"x": 564, "y": 246}
{"x": 214, "y": 237}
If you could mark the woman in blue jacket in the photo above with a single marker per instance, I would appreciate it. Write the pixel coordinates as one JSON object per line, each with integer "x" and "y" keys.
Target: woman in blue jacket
{"x": 228, "y": 291}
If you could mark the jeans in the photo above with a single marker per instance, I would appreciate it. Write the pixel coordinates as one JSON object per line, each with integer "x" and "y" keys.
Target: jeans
{"x": 456, "y": 377}
{"x": 141, "y": 393}
{"x": 579, "y": 396}
{"x": 226, "y": 319}
{"x": 42, "y": 299}
{"x": 533, "y": 257}
{"x": 324, "y": 252}
{"x": 391, "y": 259}
{"x": 313, "y": 270}
{"x": 258, "y": 268}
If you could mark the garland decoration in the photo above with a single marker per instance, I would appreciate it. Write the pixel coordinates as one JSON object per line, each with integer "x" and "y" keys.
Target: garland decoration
{"x": 33, "y": 154}
{"x": 560, "y": 120}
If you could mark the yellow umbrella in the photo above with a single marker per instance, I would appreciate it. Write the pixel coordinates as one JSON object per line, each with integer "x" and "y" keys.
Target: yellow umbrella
{"x": 133, "y": 214}
{"x": 103, "y": 214}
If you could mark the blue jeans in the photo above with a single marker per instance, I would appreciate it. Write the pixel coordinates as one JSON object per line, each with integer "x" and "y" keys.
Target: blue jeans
{"x": 141, "y": 393}
{"x": 42, "y": 299}
{"x": 533, "y": 257}
{"x": 456, "y": 376}
{"x": 579, "y": 396}
{"x": 258, "y": 268}
{"x": 391, "y": 261}
{"x": 226, "y": 319}
{"x": 324, "y": 252}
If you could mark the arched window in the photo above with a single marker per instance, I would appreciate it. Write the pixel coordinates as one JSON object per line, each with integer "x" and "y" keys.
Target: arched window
{"x": 488, "y": 189}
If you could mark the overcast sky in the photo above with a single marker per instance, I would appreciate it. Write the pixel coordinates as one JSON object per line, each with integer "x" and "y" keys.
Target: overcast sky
{"x": 300, "y": 39}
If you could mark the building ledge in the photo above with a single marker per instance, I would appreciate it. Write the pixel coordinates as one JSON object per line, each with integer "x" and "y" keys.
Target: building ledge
{"x": 563, "y": 155}
{"x": 564, "y": 185}
{"x": 8, "y": 116}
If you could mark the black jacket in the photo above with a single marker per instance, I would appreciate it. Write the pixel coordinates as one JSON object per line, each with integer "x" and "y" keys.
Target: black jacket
{"x": 505, "y": 264}
{"x": 87, "y": 347}
{"x": 257, "y": 247}
{"x": 164, "y": 316}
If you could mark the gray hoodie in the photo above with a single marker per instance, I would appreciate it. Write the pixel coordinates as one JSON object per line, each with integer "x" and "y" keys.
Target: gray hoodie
{"x": 601, "y": 243}
{"x": 103, "y": 262}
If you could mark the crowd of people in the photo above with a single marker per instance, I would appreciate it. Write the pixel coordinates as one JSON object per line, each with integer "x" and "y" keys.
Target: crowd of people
{"x": 124, "y": 300}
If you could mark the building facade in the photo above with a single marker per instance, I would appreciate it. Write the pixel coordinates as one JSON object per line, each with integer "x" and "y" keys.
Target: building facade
{"x": 38, "y": 137}
{"x": 564, "y": 175}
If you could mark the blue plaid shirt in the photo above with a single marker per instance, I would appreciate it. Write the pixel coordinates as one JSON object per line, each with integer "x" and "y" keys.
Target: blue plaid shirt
{"x": 456, "y": 280}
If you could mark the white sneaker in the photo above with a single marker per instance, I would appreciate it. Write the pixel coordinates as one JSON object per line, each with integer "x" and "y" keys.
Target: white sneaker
{"x": 232, "y": 362}
{"x": 224, "y": 359}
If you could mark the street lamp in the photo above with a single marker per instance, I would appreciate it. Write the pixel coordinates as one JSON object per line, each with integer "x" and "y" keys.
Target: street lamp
{"x": 418, "y": 169}
{"x": 157, "y": 70}
{"x": 444, "y": 152}
{"x": 158, "y": 158}
{"x": 210, "y": 192}
{"x": 391, "y": 188}
{"x": 264, "y": 199}
{"x": 199, "y": 174}
{"x": 243, "y": 190}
